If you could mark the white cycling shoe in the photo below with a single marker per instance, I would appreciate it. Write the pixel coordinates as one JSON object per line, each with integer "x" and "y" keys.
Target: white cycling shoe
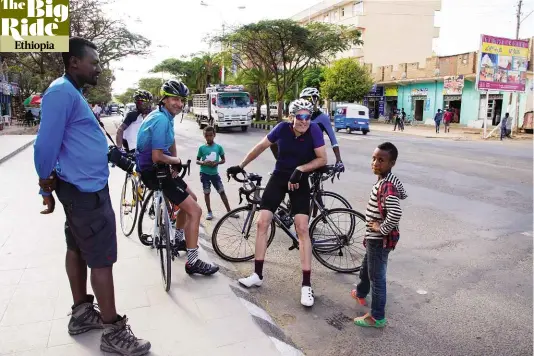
{"x": 306, "y": 296}
{"x": 252, "y": 281}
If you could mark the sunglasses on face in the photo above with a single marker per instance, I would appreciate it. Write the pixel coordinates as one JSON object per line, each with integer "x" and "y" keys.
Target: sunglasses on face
{"x": 303, "y": 117}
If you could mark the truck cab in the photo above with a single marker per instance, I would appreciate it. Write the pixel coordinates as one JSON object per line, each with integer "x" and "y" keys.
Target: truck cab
{"x": 223, "y": 106}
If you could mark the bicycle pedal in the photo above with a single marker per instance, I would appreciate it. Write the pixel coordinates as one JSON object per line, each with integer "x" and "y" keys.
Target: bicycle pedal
{"x": 293, "y": 247}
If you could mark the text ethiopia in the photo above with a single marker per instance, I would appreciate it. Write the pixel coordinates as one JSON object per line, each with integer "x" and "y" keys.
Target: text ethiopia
{"x": 34, "y": 45}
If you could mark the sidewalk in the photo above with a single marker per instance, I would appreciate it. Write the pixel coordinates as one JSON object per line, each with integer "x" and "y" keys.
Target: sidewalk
{"x": 199, "y": 315}
{"x": 10, "y": 145}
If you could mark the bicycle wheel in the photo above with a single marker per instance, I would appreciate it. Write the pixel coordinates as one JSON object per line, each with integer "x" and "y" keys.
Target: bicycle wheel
{"x": 337, "y": 237}
{"x": 145, "y": 226}
{"x": 129, "y": 205}
{"x": 329, "y": 200}
{"x": 241, "y": 232}
{"x": 163, "y": 244}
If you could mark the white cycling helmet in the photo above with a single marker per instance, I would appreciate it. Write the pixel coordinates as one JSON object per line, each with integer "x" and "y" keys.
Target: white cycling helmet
{"x": 300, "y": 104}
{"x": 309, "y": 92}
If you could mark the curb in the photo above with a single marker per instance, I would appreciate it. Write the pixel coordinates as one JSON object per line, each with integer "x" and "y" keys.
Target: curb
{"x": 18, "y": 150}
{"x": 261, "y": 126}
{"x": 284, "y": 345}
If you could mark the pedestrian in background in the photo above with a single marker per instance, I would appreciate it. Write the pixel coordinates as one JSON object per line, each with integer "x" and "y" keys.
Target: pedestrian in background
{"x": 437, "y": 119}
{"x": 71, "y": 158}
{"x": 447, "y": 118}
{"x": 504, "y": 126}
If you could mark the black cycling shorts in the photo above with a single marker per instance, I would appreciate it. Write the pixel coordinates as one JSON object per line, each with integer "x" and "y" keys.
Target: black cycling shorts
{"x": 175, "y": 189}
{"x": 276, "y": 190}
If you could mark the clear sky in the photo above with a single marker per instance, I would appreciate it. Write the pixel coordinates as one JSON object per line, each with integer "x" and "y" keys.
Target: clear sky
{"x": 178, "y": 27}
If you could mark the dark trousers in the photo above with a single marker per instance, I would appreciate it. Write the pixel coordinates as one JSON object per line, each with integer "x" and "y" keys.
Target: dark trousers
{"x": 373, "y": 277}
{"x": 438, "y": 123}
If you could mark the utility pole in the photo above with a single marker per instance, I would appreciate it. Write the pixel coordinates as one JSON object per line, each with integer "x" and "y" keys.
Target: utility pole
{"x": 518, "y": 19}
{"x": 518, "y": 27}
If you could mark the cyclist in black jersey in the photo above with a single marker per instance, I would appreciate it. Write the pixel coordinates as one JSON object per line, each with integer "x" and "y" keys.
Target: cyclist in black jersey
{"x": 127, "y": 132}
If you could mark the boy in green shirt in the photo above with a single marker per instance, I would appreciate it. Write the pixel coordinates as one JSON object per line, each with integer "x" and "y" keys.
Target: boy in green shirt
{"x": 209, "y": 157}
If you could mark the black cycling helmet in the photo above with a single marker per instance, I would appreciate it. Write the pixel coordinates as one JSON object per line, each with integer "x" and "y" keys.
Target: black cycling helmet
{"x": 173, "y": 87}
{"x": 142, "y": 95}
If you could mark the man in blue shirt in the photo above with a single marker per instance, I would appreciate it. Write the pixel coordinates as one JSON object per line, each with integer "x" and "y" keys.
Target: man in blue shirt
{"x": 156, "y": 145}
{"x": 71, "y": 157}
{"x": 301, "y": 150}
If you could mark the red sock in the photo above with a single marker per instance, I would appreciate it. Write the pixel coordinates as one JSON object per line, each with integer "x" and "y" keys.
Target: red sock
{"x": 258, "y": 268}
{"x": 306, "y": 275}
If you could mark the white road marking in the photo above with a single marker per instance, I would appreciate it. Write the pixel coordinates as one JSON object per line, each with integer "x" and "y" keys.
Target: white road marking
{"x": 285, "y": 349}
{"x": 421, "y": 291}
{"x": 257, "y": 311}
{"x": 526, "y": 233}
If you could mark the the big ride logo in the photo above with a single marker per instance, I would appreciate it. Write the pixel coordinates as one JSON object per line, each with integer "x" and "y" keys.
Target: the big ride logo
{"x": 34, "y": 26}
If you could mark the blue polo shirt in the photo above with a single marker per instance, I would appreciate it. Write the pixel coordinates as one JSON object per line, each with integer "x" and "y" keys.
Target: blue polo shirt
{"x": 156, "y": 133}
{"x": 294, "y": 151}
{"x": 70, "y": 139}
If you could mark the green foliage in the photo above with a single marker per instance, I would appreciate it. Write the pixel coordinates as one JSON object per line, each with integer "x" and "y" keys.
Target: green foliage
{"x": 88, "y": 20}
{"x": 153, "y": 85}
{"x": 285, "y": 49}
{"x": 126, "y": 97}
{"x": 346, "y": 80}
{"x": 196, "y": 72}
{"x": 101, "y": 93}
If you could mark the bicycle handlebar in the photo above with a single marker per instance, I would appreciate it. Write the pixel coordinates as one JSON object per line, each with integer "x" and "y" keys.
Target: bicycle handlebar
{"x": 162, "y": 170}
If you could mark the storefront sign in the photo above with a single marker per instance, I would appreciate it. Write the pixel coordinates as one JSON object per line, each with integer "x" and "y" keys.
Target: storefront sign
{"x": 453, "y": 85}
{"x": 381, "y": 106}
{"x": 392, "y": 91}
{"x": 420, "y": 92}
{"x": 376, "y": 91}
{"x": 503, "y": 64}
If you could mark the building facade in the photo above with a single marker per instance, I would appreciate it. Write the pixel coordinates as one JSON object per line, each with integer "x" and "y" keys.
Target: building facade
{"x": 392, "y": 31}
{"x": 444, "y": 82}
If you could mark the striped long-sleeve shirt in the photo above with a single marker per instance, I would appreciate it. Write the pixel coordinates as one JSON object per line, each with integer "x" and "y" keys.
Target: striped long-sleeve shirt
{"x": 392, "y": 192}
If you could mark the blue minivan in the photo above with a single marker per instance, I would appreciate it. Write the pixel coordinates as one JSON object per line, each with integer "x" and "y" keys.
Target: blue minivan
{"x": 352, "y": 117}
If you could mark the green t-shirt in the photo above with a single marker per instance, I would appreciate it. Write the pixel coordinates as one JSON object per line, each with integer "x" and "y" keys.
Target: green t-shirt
{"x": 210, "y": 153}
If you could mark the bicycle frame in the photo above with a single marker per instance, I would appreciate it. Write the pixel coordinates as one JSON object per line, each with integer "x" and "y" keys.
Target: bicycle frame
{"x": 335, "y": 242}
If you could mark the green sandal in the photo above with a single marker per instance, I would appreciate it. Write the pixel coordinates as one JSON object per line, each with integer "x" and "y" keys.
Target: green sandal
{"x": 363, "y": 321}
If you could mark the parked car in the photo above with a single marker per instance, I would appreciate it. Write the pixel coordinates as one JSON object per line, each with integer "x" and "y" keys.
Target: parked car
{"x": 273, "y": 108}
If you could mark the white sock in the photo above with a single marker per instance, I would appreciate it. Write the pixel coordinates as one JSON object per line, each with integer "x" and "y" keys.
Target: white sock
{"x": 179, "y": 235}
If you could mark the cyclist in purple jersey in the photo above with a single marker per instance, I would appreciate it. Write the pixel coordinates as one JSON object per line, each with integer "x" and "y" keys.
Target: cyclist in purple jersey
{"x": 301, "y": 151}
{"x": 323, "y": 121}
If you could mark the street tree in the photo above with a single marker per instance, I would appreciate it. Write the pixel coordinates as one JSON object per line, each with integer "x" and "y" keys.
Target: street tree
{"x": 88, "y": 20}
{"x": 286, "y": 49}
{"x": 153, "y": 85}
{"x": 197, "y": 71}
{"x": 101, "y": 93}
{"x": 126, "y": 97}
{"x": 346, "y": 80}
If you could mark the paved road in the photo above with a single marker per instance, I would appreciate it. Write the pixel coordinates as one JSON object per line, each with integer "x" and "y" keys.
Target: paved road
{"x": 460, "y": 280}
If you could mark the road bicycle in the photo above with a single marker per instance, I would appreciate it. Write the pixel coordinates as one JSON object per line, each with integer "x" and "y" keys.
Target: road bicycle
{"x": 132, "y": 196}
{"x": 163, "y": 237}
{"x": 145, "y": 225}
{"x": 336, "y": 234}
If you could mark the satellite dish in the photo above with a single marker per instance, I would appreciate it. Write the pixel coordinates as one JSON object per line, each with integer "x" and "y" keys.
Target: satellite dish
{"x": 436, "y": 72}
{"x": 403, "y": 75}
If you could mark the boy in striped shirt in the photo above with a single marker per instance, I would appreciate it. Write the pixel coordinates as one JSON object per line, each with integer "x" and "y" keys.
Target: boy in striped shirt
{"x": 382, "y": 216}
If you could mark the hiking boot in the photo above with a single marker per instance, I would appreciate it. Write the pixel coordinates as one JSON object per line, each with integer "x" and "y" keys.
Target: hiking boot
{"x": 85, "y": 317}
{"x": 201, "y": 267}
{"x": 118, "y": 338}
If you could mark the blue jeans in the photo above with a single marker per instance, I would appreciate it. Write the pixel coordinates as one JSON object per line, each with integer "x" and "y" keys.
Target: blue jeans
{"x": 207, "y": 180}
{"x": 373, "y": 277}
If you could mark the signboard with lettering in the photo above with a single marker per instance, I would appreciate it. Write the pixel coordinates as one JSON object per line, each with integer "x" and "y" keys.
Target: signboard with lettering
{"x": 420, "y": 92}
{"x": 453, "y": 85}
{"x": 502, "y": 64}
{"x": 392, "y": 91}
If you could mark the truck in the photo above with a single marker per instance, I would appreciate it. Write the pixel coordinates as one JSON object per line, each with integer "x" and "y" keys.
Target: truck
{"x": 223, "y": 106}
